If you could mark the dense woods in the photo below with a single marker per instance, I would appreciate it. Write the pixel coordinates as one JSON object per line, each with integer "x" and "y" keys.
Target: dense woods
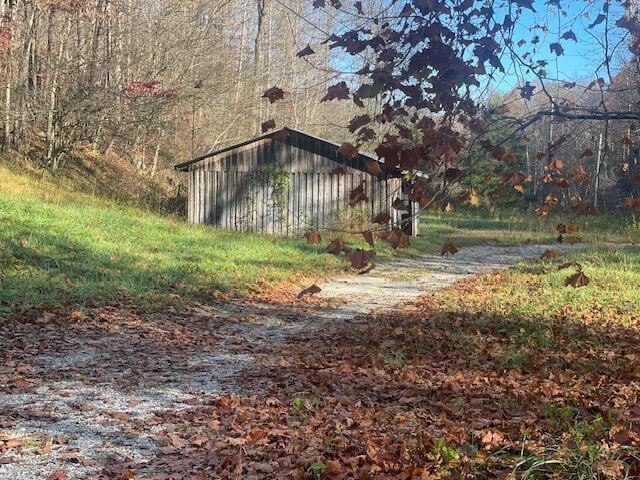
{"x": 157, "y": 82}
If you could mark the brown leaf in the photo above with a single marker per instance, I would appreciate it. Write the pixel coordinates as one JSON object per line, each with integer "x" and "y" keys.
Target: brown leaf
{"x": 448, "y": 249}
{"x": 305, "y": 52}
{"x": 399, "y": 205}
{"x": 58, "y": 475}
{"x": 312, "y": 290}
{"x": 575, "y": 265}
{"x": 561, "y": 228}
{"x": 334, "y": 469}
{"x": 358, "y": 195}
{"x": 577, "y": 280}
{"x": 381, "y": 218}
{"x": 360, "y": 258}
{"x": 336, "y": 247}
{"x": 339, "y": 91}
{"x": 573, "y": 240}
{"x": 549, "y": 254}
{"x": 452, "y": 174}
{"x": 373, "y": 167}
{"x": 348, "y": 150}
{"x": 368, "y": 236}
{"x": 339, "y": 170}
{"x": 313, "y": 237}
{"x": 268, "y": 125}
{"x": 274, "y": 94}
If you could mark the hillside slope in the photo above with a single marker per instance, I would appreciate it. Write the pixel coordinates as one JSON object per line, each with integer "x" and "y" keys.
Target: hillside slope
{"x": 60, "y": 246}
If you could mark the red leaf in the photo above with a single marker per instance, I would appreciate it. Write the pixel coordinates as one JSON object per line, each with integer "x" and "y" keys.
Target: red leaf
{"x": 452, "y": 174}
{"x": 358, "y": 195}
{"x": 526, "y": 91}
{"x": 399, "y": 205}
{"x": 599, "y": 19}
{"x": 360, "y": 258}
{"x": 336, "y": 247}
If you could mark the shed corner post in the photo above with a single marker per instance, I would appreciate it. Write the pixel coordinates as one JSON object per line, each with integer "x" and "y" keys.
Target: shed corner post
{"x": 415, "y": 228}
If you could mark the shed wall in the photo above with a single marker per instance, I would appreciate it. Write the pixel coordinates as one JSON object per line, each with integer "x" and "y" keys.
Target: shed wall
{"x": 225, "y": 191}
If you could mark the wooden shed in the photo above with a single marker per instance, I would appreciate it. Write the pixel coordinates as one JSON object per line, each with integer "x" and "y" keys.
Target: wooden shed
{"x": 284, "y": 183}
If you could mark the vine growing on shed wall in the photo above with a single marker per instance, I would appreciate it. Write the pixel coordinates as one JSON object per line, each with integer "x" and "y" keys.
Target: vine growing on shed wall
{"x": 278, "y": 180}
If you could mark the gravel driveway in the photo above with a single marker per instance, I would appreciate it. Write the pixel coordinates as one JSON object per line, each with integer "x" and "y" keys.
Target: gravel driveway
{"x": 81, "y": 393}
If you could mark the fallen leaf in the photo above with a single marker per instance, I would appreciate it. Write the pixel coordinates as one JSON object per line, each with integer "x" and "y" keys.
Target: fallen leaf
{"x": 312, "y": 290}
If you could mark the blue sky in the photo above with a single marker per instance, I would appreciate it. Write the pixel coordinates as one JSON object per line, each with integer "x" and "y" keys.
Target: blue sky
{"x": 580, "y": 59}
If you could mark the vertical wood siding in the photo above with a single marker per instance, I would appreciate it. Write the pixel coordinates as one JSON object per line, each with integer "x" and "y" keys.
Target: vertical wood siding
{"x": 221, "y": 192}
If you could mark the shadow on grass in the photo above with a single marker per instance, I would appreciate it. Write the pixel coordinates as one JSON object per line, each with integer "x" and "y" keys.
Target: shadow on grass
{"x": 43, "y": 269}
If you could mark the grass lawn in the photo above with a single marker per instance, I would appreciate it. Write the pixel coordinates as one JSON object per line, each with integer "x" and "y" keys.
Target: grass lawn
{"x": 508, "y": 375}
{"x": 61, "y": 247}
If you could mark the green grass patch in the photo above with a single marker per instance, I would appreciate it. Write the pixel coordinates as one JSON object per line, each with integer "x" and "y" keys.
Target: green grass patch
{"x": 62, "y": 246}
{"x": 65, "y": 247}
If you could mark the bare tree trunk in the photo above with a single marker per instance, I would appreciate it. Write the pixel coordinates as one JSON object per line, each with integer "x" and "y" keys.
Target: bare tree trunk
{"x": 597, "y": 179}
{"x": 154, "y": 168}
{"x": 51, "y": 127}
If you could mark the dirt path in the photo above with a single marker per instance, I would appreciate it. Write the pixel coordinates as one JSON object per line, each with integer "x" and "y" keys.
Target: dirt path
{"x": 80, "y": 394}
{"x": 404, "y": 280}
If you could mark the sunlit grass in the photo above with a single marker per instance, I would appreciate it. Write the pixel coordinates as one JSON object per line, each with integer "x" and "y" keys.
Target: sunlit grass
{"x": 61, "y": 246}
